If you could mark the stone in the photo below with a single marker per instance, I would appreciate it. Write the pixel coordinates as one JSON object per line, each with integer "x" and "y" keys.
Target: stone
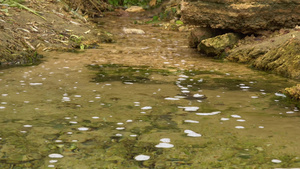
{"x": 244, "y": 16}
{"x": 135, "y": 9}
{"x": 198, "y": 34}
{"x": 279, "y": 54}
{"x": 216, "y": 45}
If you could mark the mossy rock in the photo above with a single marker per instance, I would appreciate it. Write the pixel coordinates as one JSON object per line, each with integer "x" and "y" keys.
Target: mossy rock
{"x": 283, "y": 60}
{"x": 216, "y": 46}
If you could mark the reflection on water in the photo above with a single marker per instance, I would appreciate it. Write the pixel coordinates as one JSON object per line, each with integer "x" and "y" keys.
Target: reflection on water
{"x": 127, "y": 112}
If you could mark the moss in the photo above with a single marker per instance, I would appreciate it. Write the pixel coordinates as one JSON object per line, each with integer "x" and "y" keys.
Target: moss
{"x": 294, "y": 92}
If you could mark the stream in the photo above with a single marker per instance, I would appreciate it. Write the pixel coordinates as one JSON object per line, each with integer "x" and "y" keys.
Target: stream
{"x": 146, "y": 101}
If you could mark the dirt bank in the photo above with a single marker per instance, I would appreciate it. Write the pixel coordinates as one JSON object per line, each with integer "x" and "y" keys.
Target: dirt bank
{"x": 43, "y": 26}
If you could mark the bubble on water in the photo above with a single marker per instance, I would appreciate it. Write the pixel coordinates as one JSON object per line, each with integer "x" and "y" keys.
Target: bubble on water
{"x": 54, "y": 155}
{"x": 120, "y": 123}
{"x": 208, "y": 114}
{"x": 136, "y": 103}
{"x": 129, "y": 121}
{"x": 97, "y": 97}
{"x": 185, "y": 91}
{"x": 191, "y": 133}
{"x": 91, "y": 101}
{"x": 83, "y": 128}
{"x": 244, "y": 87}
{"x": 120, "y": 128}
{"x": 181, "y": 79}
{"x": 184, "y": 88}
{"x": 23, "y": 132}
{"x": 69, "y": 132}
{"x": 261, "y": 127}
{"x": 191, "y": 108}
{"x": 4, "y": 95}
{"x": 146, "y": 108}
{"x": 119, "y": 135}
{"x": 74, "y": 141}
{"x": 73, "y": 122}
{"x": 171, "y": 98}
{"x": 95, "y": 117}
{"x": 26, "y": 101}
{"x": 143, "y": 112}
{"x": 27, "y": 125}
{"x": 198, "y": 95}
{"x": 65, "y": 99}
{"x": 236, "y": 116}
{"x": 254, "y": 97}
{"x": 43, "y": 78}
{"x": 51, "y": 166}
{"x": 239, "y": 127}
{"x": 228, "y": 74}
{"x": 194, "y": 135}
{"x": 2, "y": 107}
{"x": 66, "y": 67}
{"x": 224, "y": 119}
{"x": 133, "y": 135}
{"x": 241, "y": 120}
{"x": 58, "y": 141}
{"x": 35, "y": 84}
{"x": 142, "y": 157}
{"x": 164, "y": 145}
{"x": 53, "y": 161}
{"x": 191, "y": 121}
{"x": 166, "y": 63}
{"x": 200, "y": 80}
{"x": 276, "y": 161}
{"x": 280, "y": 95}
{"x": 67, "y": 118}
{"x": 290, "y": 112}
{"x": 180, "y": 97}
{"x": 128, "y": 83}
{"x": 165, "y": 140}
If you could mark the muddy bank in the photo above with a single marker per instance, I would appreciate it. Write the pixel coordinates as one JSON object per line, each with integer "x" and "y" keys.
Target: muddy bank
{"x": 44, "y": 26}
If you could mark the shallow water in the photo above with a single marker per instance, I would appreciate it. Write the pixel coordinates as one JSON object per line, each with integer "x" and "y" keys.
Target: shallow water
{"x": 147, "y": 101}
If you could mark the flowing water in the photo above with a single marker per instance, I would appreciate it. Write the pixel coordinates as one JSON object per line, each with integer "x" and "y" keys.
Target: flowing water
{"x": 146, "y": 101}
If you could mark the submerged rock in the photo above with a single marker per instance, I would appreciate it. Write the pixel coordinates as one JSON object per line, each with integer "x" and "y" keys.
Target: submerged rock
{"x": 243, "y": 16}
{"x": 216, "y": 45}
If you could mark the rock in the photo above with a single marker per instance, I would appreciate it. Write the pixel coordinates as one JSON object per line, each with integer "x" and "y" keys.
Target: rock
{"x": 294, "y": 92}
{"x": 244, "y": 16}
{"x": 133, "y": 31}
{"x": 216, "y": 45}
{"x": 280, "y": 54}
{"x": 199, "y": 34}
{"x": 135, "y": 9}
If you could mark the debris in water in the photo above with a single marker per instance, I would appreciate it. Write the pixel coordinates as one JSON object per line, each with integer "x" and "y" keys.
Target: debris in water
{"x": 133, "y": 31}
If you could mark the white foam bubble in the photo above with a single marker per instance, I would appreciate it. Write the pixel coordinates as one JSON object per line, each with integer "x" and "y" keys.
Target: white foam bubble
{"x": 95, "y": 117}
{"x": 171, "y": 98}
{"x": 146, "y": 108}
{"x": 241, "y": 120}
{"x": 235, "y": 116}
{"x": 83, "y": 128}
{"x": 120, "y": 128}
{"x": 191, "y": 121}
{"x": 164, "y": 145}
{"x": 27, "y": 125}
{"x": 276, "y": 161}
{"x": 55, "y": 155}
{"x": 290, "y": 112}
{"x": 191, "y": 108}
{"x": 208, "y": 114}
{"x": 239, "y": 127}
{"x": 165, "y": 140}
{"x": 142, "y": 157}
{"x": 224, "y": 119}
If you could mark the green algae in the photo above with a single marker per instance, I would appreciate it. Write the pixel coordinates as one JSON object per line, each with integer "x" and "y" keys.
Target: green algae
{"x": 136, "y": 74}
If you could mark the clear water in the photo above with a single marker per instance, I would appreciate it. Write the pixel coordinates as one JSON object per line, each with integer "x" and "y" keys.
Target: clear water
{"x": 152, "y": 103}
